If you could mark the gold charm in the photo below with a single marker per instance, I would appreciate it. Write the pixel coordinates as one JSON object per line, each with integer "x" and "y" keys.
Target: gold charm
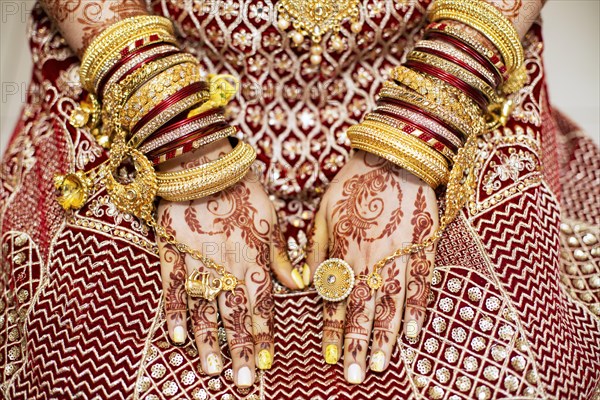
{"x": 374, "y": 280}
{"x": 73, "y": 189}
{"x": 228, "y": 282}
{"x": 134, "y": 191}
{"x": 86, "y": 114}
{"x": 314, "y": 18}
{"x": 334, "y": 279}
{"x": 200, "y": 284}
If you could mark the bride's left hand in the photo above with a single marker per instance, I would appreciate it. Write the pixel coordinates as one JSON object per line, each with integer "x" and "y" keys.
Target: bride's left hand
{"x": 371, "y": 209}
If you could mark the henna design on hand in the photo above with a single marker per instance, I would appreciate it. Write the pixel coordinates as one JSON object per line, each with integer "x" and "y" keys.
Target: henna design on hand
{"x": 239, "y": 321}
{"x": 332, "y": 330}
{"x": 205, "y": 329}
{"x": 361, "y": 207}
{"x": 420, "y": 266}
{"x": 356, "y": 317}
{"x": 386, "y": 308}
{"x": 175, "y": 295}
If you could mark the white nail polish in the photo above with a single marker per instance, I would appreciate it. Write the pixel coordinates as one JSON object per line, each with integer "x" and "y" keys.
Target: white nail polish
{"x": 179, "y": 334}
{"x": 412, "y": 329}
{"x": 354, "y": 374}
{"x": 244, "y": 377}
{"x": 213, "y": 363}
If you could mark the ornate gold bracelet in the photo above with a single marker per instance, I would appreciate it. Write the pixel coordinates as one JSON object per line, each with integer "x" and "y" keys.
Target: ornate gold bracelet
{"x": 112, "y": 56}
{"x": 157, "y": 89}
{"x": 382, "y": 145}
{"x": 207, "y": 179}
{"x": 110, "y": 39}
{"x": 163, "y": 117}
{"x": 118, "y": 94}
{"x": 399, "y": 125}
{"x": 402, "y": 93}
{"x": 454, "y": 52}
{"x": 459, "y": 72}
{"x": 439, "y": 92}
{"x": 401, "y": 149}
{"x": 488, "y": 20}
{"x": 421, "y": 120}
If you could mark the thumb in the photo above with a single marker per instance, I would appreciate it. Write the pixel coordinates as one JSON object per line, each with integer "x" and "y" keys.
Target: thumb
{"x": 318, "y": 242}
{"x": 280, "y": 261}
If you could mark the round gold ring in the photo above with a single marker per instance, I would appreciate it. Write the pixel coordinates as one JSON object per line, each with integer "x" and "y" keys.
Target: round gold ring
{"x": 334, "y": 279}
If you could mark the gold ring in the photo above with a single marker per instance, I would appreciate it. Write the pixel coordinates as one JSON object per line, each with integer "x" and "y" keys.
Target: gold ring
{"x": 334, "y": 279}
{"x": 200, "y": 284}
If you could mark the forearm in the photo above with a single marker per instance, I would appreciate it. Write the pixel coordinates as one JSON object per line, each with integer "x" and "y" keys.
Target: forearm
{"x": 522, "y": 13}
{"x": 80, "y": 21}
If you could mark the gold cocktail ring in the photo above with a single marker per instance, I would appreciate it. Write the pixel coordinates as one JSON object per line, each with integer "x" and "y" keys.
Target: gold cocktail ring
{"x": 201, "y": 284}
{"x": 334, "y": 279}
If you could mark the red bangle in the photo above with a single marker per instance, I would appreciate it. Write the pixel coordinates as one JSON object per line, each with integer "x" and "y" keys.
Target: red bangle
{"x": 470, "y": 91}
{"x": 436, "y": 29}
{"x": 168, "y": 102}
{"x": 192, "y": 136}
{"x": 424, "y": 129}
{"x": 180, "y": 125}
{"x": 122, "y": 62}
{"x": 456, "y": 61}
{"x": 486, "y": 62}
{"x": 193, "y": 144}
{"x": 400, "y": 103}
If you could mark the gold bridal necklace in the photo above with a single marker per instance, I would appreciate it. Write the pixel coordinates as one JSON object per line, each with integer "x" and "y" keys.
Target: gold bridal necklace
{"x": 314, "y": 18}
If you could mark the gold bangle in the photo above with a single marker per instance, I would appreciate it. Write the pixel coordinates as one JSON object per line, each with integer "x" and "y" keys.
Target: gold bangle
{"x": 207, "y": 179}
{"x": 394, "y": 91}
{"x": 118, "y": 94}
{"x": 422, "y": 121}
{"x": 157, "y": 89}
{"x": 125, "y": 68}
{"x": 415, "y": 132}
{"x": 439, "y": 92}
{"x": 112, "y": 56}
{"x": 155, "y": 123}
{"x": 203, "y": 141}
{"x": 116, "y": 33}
{"x": 458, "y": 71}
{"x": 372, "y": 141}
{"x": 486, "y": 19}
{"x": 401, "y": 149}
{"x": 460, "y": 55}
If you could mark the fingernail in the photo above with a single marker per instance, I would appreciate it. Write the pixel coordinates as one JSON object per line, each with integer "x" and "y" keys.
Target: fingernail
{"x": 354, "y": 374}
{"x": 306, "y": 274}
{"x": 179, "y": 334}
{"x": 297, "y": 278}
{"x": 265, "y": 360}
{"x": 244, "y": 377}
{"x": 213, "y": 363}
{"x": 412, "y": 329}
{"x": 331, "y": 354}
{"x": 377, "y": 361}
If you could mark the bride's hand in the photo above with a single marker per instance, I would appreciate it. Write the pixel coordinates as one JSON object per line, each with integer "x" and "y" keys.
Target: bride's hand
{"x": 237, "y": 228}
{"x": 371, "y": 209}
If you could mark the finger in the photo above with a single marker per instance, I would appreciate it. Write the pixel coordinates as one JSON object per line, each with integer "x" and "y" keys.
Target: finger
{"x": 205, "y": 328}
{"x": 420, "y": 264}
{"x": 260, "y": 287}
{"x": 359, "y": 320}
{"x": 334, "y": 314}
{"x": 418, "y": 277}
{"x": 389, "y": 304}
{"x": 173, "y": 273}
{"x": 318, "y": 241}
{"x": 237, "y": 320}
{"x": 280, "y": 261}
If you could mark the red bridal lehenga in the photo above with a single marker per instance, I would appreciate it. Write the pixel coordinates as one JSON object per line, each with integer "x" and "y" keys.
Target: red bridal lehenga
{"x": 515, "y": 306}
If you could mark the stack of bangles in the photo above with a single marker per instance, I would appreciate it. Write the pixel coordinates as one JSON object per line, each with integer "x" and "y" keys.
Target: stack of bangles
{"x": 147, "y": 103}
{"x": 450, "y": 88}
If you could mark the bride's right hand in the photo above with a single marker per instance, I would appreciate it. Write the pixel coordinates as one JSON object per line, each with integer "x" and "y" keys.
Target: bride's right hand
{"x": 238, "y": 229}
